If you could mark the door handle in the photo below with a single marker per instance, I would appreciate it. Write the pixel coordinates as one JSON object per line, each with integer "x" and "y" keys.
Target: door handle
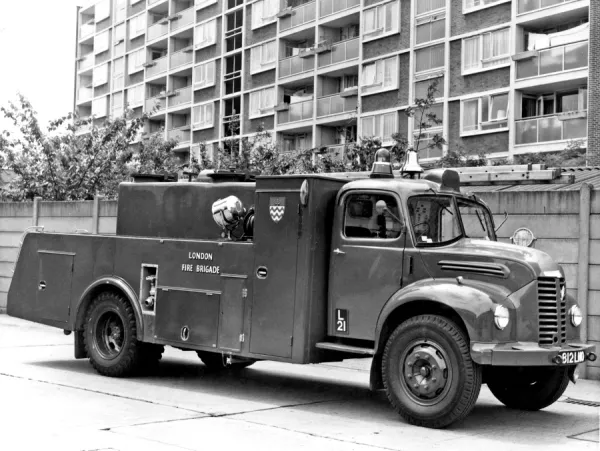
{"x": 338, "y": 252}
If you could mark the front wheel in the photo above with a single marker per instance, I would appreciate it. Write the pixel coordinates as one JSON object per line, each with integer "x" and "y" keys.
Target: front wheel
{"x": 428, "y": 373}
{"x": 532, "y": 388}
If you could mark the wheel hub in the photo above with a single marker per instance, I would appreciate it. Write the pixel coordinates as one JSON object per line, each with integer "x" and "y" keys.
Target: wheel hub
{"x": 109, "y": 335}
{"x": 425, "y": 371}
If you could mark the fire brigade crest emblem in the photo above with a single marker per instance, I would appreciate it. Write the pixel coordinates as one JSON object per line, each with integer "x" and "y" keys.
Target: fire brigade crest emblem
{"x": 277, "y": 208}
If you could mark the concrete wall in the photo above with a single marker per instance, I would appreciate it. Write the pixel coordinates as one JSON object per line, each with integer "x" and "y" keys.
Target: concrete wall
{"x": 15, "y": 217}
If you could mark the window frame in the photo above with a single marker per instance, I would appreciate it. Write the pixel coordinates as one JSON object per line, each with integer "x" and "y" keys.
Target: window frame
{"x": 395, "y": 30}
{"x": 105, "y": 100}
{"x": 467, "y": 9}
{"x": 101, "y": 68}
{"x": 214, "y": 72}
{"x": 260, "y": 112}
{"x": 479, "y": 99}
{"x": 384, "y": 142}
{"x": 432, "y": 11}
{"x": 203, "y": 125}
{"x": 97, "y": 40}
{"x": 438, "y": 15}
{"x": 138, "y": 31}
{"x": 135, "y": 89}
{"x": 383, "y": 88}
{"x": 430, "y": 70}
{"x": 481, "y": 67}
{"x": 264, "y": 23}
{"x": 137, "y": 68}
{"x": 206, "y": 43}
{"x": 263, "y": 67}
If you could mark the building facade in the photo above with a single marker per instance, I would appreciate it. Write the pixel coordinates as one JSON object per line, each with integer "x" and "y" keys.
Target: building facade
{"x": 511, "y": 76}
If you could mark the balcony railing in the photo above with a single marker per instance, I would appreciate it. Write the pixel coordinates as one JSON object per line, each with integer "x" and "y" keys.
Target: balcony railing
{"x": 527, "y": 6}
{"x": 158, "y": 67}
{"x": 181, "y": 57}
{"x": 300, "y": 15}
{"x": 298, "y": 111}
{"x": 182, "y": 136}
{"x": 155, "y": 104}
{"x": 86, "y": 30}
{"x": 184, "y": 18}
{"x": 295, "y": 65}
{"x": 85, "y": 94}
{"x": 157, "y": 30}
{"x": 335, "y": 104}
{"x": 182, "y": 96}
{"x": 337, "y": 151}
{"x": 340, "y": 52}
{"x": 554, "y": 59}
{"x": 86, "y": 62}
{"x": 327, "y": 7}
{"x": 550, "y": 128}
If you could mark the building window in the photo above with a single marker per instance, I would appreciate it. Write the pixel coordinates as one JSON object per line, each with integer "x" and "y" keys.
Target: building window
{"x": 428, "y": 6}
{"x": 263, "y": 57}
{"x": 262, "y": 102}
{"x": 137, "y": 26}
{"x": 118, "y": 73}
{"x": 101, "y": 42}
{"x": 135, "y": 61}
{"x": 486, "y": 51}
{"x": 422, "y": 87}
{"x": 100, "y": 106}
{"x": 135, "y": 96}
{"x": 204, "y": 3}
{"x": 202, "y": 115}
{"x": 485, "y": 113}
{"x": 380, "y": 125}
{"x": 233, "y": 73}
{"x": 293, "y": 143}
{"x": 233, "y": 33}
{"x": 120, "y": 10}
{"x": 264, "y": 12}
{"x": 102, "y": 10}
{"x": 205, "y": 34}
{"x": 469, "y": 5}
{"x": 204, "y": 74}
{"x": 117, "y": 105}
{"x": 424, "y": 139}
{"x": 381, "y": 20}
{"x": 429, "y": 58}
{"x": 100, "y": 75}
{"x": 380, "y": 75}
{"x": 430, "y": 28}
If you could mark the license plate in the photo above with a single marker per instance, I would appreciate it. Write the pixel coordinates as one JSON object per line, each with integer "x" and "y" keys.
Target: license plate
{"x": 570, "y": 357}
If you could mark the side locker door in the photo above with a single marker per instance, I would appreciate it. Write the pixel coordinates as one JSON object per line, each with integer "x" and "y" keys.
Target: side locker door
{"x": 231, "y": 320}
{"x": 55, "y": 274}
{"x": 276, "y": 238}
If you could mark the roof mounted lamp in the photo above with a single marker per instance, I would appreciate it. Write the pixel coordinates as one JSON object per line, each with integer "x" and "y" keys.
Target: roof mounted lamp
{"x": 411, "y": 164}
{"x": 382, "y": 166}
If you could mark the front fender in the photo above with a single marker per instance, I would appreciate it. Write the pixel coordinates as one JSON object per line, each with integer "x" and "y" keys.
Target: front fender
{"x": 473, "y": 301}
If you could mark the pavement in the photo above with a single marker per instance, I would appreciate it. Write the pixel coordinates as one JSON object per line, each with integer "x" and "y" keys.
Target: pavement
{"x": 50, "y": 401}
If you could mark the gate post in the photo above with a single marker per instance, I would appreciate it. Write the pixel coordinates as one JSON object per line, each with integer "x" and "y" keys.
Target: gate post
{"x": 583, "y": 261}
{"x": 36, "y": 210}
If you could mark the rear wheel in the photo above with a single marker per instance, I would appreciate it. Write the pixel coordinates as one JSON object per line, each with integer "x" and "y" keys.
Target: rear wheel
{"x": 216, "y": 361}
{"x": 532, "y": 388}
{"x": 428, "y": 373}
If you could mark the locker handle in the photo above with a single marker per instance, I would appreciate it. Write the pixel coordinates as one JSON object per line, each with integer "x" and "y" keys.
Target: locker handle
{"x": 338, "y": 252}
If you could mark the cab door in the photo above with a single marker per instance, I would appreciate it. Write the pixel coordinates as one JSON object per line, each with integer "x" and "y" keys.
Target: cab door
{"x": 366, "y": 261}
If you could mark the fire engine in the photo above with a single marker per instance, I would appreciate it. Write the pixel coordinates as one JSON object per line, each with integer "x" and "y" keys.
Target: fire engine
{"x": 309, "y": 269}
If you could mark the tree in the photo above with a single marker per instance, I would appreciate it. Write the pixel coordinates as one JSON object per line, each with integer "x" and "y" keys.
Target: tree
{"x": 573, "y": 155}
{"x": 459, "y": 157}
{"x": 74, "y": 159}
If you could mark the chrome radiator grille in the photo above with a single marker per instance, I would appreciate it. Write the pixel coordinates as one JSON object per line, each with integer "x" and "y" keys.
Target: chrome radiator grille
{"x": 552, "y": 312}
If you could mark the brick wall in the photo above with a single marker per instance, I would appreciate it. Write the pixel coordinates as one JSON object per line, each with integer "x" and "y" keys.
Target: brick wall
{"x": 593, "y": 150}
{"x": 487, "y": 142}
{"x": 477, "y": 20}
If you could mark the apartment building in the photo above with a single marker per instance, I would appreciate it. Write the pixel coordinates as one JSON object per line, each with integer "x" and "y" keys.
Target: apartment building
{"x": 512, "y": 76}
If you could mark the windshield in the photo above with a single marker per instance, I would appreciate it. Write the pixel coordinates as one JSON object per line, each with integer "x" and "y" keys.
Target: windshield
{"x": 435, "y": 219}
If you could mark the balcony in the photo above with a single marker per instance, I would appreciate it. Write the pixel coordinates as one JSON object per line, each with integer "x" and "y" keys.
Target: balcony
{"x": 86, "y": 62}
{"x": 181, "y": 134}
{"x": 181, "y": 57}
{"x": 557, "y": 127}
{"x": 157, "y": 30}
{"x": 340, "y": 52}
{"x": 87, "y": 29}
{"x": 335, "y": 104}
{"x": 298, "y": 111}
{"x": 155, "y": 104}
{"x": 299, "y": 16}
{"x": 328, "y": 7}
{"x": 553, "y": 60}
{"x": 295, "y": 65}
{"x": 157, "y": 66}
{"x": 180, "y": 97}
{"x": 182, "y": 19}
{"x": 527, "y": 6}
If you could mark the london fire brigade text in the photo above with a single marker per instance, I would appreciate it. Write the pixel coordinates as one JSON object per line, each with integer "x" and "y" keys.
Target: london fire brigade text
{"x": 207, "y": 269}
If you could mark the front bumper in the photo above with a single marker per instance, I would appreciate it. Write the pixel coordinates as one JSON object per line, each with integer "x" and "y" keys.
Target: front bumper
{"x": 525, "y": 353}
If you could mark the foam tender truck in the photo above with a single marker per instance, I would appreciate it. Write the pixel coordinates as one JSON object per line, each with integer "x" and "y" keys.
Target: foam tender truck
{"x": 314, "y": 268}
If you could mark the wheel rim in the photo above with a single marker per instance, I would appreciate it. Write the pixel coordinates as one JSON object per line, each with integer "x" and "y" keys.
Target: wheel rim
{"x": 110, "y": 335}
{"x": 425, "y": 372}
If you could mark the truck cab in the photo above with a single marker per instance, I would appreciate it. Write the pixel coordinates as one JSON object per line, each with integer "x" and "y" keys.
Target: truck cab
{"x": 315, "y": 268}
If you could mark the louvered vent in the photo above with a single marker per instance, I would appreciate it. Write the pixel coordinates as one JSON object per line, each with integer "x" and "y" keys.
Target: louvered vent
{"x": 552, "y": 312}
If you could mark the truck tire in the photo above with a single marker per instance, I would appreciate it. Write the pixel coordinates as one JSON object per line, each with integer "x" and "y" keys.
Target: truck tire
{"x": 428, "y": 373}
{"x": 216, "y": 362}
{"x": 532, "y": 388}
{"x": 110, "y": 337}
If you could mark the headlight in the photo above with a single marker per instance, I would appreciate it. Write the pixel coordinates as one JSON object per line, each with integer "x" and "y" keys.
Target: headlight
{"x": 501, "y": 317}
{"x": 575, "y": 315}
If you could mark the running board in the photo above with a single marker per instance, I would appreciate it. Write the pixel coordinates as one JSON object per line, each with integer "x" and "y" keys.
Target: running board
{"x": 345, "y": 348}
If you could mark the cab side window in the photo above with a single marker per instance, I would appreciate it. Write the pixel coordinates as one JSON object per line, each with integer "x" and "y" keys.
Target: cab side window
{"x": 371, "y": 215}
